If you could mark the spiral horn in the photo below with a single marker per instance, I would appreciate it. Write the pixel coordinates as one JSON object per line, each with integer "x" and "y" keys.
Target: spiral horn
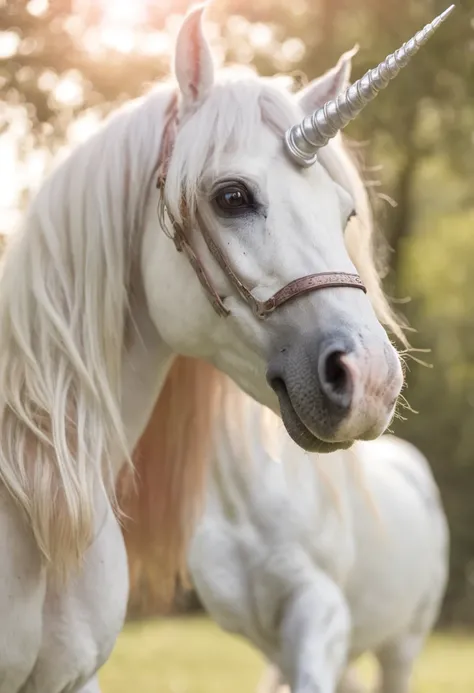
{"x": 303, "y": 140}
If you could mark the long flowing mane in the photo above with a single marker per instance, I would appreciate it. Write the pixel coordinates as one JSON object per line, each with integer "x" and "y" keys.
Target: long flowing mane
{"x": 65, "y": 287}
{"x": 161, "y": 496}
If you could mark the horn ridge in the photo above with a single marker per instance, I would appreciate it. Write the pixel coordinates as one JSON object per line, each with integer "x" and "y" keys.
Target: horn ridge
{"x": 305, "y": 139}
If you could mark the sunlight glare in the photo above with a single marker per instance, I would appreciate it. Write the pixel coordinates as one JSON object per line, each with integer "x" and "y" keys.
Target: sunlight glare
{"x": 9, "y": 43}
{"x": 123, "y": 13}
{"x": 120, "y": 38}
{"x": 260, "y": 35}
{"x": 69, "y": 92}
{"x": 120, "y": 21}
{"x": 37, "y": 7}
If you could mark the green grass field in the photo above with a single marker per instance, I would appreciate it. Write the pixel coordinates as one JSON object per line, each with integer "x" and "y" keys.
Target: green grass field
{"x": 193, "y": 656}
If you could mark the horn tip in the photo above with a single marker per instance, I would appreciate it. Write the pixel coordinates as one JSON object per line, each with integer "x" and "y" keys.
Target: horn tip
{"x": 444, "y": 15}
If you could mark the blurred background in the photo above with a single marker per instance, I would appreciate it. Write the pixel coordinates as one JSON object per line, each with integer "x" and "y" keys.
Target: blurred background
{"x": 64, "y": 64}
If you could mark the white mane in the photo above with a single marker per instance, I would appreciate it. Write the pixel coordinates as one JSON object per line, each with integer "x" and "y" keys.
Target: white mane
{"x": 64, "y": 293}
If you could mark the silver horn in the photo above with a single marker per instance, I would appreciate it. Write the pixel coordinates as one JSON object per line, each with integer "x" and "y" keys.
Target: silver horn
{"x": 303, "y": 140}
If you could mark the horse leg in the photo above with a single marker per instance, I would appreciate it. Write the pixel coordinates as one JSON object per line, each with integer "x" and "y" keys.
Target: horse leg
{"x": 22, "y": 594}
{"x": 272, "y": 681}
{"x": 396, "y": 659}
{"x": 315, "y": 634}
{"x": 396, "y": 662}
{"x": 91, "y": 686}
{"x": 350, "y": 682}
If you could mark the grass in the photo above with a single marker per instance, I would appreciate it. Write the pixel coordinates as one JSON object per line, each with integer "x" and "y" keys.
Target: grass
{"x": 191, "y": 655}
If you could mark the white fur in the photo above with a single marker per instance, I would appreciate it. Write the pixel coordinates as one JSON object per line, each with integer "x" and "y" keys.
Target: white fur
{"x": 82, "y": 621}
{"x": 91, "y": 687}
{"x": 316, "y": 561}
{"x": 94, "y": 303}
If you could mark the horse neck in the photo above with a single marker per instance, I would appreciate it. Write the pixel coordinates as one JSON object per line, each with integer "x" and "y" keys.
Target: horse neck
{"x": 318, "y": 488}
{"x": 257, "y": 469}
{"x": 286, "y": 495}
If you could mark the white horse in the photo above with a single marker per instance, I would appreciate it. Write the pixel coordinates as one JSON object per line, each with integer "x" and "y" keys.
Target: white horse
{"x": 96, "y": 303}
{"x": 319, "y": 560}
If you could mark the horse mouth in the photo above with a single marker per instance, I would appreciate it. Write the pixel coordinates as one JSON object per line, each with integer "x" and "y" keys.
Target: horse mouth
{"x": 297, "y": 429}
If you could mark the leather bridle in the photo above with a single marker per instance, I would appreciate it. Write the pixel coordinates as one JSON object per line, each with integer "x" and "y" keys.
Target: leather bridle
{"x": 182, "y": 232}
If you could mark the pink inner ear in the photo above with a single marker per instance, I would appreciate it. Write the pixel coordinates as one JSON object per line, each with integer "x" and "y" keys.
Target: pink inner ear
{"x": 335, "y": 84}
{"x": 194, "y": 66}
{"x": 195, "y": 60}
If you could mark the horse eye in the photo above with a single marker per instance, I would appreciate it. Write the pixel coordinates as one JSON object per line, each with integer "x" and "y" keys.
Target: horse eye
{"x": 235, "y": 199}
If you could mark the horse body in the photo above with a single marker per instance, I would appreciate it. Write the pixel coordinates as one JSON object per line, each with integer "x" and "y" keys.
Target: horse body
{"x": 403, "y": 553}
{"x": 97, "y": 308}
{"x": 317, "y": 562}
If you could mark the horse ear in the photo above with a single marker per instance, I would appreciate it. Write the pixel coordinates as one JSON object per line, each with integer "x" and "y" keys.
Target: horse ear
{"x": 328, "y": 86}
{"x": 194, "y": 66}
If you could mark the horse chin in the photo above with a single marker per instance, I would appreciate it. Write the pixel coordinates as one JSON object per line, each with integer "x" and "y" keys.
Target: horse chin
{"x": 301, "y": 434}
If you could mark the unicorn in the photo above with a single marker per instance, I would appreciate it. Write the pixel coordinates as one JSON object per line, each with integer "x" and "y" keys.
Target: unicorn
{"x": 218, "y": 218}
{"x": 317, "y": 560}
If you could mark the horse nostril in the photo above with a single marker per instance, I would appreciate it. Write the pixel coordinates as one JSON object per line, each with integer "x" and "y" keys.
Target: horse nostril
{"x": 278, "y": 385}
{"x": 334, "y": 371}
{"x": 335, "y": 377}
